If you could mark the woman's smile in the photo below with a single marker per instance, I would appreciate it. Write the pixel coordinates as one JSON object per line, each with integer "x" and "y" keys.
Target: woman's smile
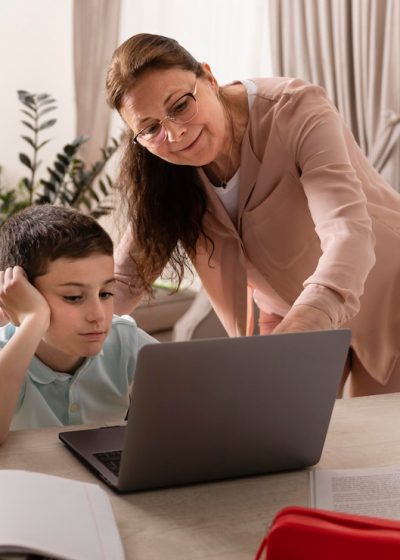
{"x": 193, "y": 144}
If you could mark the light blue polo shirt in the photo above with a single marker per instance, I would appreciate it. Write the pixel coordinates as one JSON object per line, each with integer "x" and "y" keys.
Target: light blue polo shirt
{"x": 97, "y": 392}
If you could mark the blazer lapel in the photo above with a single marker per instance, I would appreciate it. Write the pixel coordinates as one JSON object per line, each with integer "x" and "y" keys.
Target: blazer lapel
{"x": 248, "y": 173}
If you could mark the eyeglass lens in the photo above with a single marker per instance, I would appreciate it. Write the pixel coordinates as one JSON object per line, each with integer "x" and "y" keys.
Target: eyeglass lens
{"x": 184, "y": 110}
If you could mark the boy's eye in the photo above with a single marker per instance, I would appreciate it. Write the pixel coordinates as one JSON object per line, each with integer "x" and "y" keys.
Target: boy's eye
{"x": 106, "y": 295}
{"x": 72, "y": 299}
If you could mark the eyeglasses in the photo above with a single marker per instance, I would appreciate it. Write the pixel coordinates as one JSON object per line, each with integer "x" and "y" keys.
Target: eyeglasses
{"x": 182, "y": 112}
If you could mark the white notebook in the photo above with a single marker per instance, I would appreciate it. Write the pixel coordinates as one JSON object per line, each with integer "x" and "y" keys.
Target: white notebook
{"x": 373, "y": 491}
{"x": 56, "y": 517}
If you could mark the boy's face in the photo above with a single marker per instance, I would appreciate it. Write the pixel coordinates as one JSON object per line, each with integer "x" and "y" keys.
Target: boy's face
{"x": 80, "y": 296}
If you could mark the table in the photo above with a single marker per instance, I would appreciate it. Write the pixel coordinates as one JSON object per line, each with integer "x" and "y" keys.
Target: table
{"x": 222, "y": 520}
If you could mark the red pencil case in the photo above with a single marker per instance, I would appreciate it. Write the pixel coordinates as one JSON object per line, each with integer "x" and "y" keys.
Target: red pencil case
{"x": 299, "y": 533}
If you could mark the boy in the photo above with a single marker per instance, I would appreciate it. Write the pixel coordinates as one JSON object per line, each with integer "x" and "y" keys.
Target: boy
{"x": 70, "y": 361}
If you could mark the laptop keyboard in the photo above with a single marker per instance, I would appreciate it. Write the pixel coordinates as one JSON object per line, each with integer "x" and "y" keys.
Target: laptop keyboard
{"x": 110, "y": 459}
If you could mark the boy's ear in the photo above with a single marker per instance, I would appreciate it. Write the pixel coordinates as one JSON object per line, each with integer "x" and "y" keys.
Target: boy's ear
{"x": 209, "y": 76}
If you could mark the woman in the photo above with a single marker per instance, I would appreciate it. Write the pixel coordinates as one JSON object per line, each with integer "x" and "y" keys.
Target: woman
{"x": 263, "y": 186}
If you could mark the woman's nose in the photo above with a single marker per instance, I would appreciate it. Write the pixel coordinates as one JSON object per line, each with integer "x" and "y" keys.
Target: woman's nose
{"x": 174, "y": 130}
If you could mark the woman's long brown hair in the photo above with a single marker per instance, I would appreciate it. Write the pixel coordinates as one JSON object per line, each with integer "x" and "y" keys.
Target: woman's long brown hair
{"x": 165, "y": 202}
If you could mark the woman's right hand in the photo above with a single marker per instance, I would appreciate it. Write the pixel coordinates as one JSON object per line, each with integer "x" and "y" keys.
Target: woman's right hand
{"x": 3, "y": 318}
{"x": 19, "y": 299}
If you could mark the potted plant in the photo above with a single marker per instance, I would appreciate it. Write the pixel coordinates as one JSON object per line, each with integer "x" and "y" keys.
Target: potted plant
{"x": 69, "y": 180}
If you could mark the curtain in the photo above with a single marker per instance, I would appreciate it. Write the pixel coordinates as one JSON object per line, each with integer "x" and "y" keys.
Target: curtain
{"x": 228, "y": 34}
{"x": 95, "y": 36}
{"x": 352, "y": 49}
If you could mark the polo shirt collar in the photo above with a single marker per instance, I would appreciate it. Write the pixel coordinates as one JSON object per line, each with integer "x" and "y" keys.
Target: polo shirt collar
{"x": 41, "y": 373}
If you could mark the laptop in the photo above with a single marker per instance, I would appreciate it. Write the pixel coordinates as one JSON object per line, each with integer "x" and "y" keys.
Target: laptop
{"x": 213, "y": 409}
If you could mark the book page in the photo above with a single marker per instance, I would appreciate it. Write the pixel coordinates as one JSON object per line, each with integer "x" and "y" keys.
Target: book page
{"x": 369, "y": 491}
{"x": 57, "y": 517}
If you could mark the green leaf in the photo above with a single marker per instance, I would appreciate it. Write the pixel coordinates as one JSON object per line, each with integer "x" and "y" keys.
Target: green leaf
{"x": 29, "y": 140}
{"x": 93, "y": 194}
{"x": 42, "y": 96}
{"x": 43, "y": 199}
{"x": 101, "y": 210}
{"x": 63, "y": 159}
{"x": 86, "y": 202}
{"x": 48, "y": 185}
{"x": 70, "y": 150}
{"x": 60, "y": 167}
{"x": 55, "y": 176}
{"x": 47, "y": 110}
{"x": 26, "y": 184}
{"x": 69, "y": 199}
{"x": 42, "y": 144}
{"x": 26, "y": 98}
{"x": 103, "y": 187}
{"x": 97, "y": 213}
{"x": 47, "y": 101}
{"x": 47, "y": 124}
{"x": 29, "y": 114}
{"x": 96, "y": 168}
{"x": 29, "y": 125}
{"x": 23, "y": 158}
{"x": 23, "y": 93}
{"x": 80, "y": 140}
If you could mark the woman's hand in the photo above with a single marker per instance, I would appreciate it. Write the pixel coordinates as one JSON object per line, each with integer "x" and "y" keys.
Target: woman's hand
{"x": 3, "y": 318}
{"x": 304, "y": 318}
{"x": 19, "y": 299}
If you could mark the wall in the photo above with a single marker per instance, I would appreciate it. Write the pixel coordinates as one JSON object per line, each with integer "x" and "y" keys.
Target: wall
{"x": 35, "y": 55}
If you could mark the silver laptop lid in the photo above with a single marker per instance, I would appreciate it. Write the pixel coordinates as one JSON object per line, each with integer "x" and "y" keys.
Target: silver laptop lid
{"x": 227, "y": 407}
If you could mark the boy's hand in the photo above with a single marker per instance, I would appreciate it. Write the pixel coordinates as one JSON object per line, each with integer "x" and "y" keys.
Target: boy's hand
{"x": 19, "y": 299}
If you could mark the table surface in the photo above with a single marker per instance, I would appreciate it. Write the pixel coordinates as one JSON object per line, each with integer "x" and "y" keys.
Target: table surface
{"x": 226, "y": 519}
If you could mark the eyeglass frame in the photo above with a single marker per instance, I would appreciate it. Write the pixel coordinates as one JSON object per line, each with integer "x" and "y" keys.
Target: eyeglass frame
{"x": 168, "y": 117}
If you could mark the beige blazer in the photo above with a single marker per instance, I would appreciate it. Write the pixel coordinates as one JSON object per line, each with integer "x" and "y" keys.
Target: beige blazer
{"x": 314, "y": 218}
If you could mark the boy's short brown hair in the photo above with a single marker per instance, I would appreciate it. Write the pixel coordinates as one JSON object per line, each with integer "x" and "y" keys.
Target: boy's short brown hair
{"x": 38, "y": 235}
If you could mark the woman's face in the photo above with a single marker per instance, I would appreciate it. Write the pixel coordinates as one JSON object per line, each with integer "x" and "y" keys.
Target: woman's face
{"x": 198, "y": 142}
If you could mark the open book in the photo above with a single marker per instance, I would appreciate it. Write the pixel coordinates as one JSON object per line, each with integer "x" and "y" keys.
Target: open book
{"x": 57, "y": 518}
{"x": 367, "y": 491}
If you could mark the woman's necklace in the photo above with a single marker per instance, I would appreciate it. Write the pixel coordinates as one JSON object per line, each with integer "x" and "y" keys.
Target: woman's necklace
{"x": 224, "y": 181}
{"x": 214, "y": 176}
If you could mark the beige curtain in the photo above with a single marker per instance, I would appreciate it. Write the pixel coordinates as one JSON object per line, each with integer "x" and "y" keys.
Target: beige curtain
{"x": 352, "y": 49}
{"x": 95, "y": 36}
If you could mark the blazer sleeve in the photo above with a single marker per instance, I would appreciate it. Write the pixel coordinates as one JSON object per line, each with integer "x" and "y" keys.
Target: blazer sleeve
{"x": 324, "y": 151}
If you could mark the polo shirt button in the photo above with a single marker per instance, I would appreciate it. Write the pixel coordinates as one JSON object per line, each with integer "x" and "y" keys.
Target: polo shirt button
{"x": 73, "y": 408}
